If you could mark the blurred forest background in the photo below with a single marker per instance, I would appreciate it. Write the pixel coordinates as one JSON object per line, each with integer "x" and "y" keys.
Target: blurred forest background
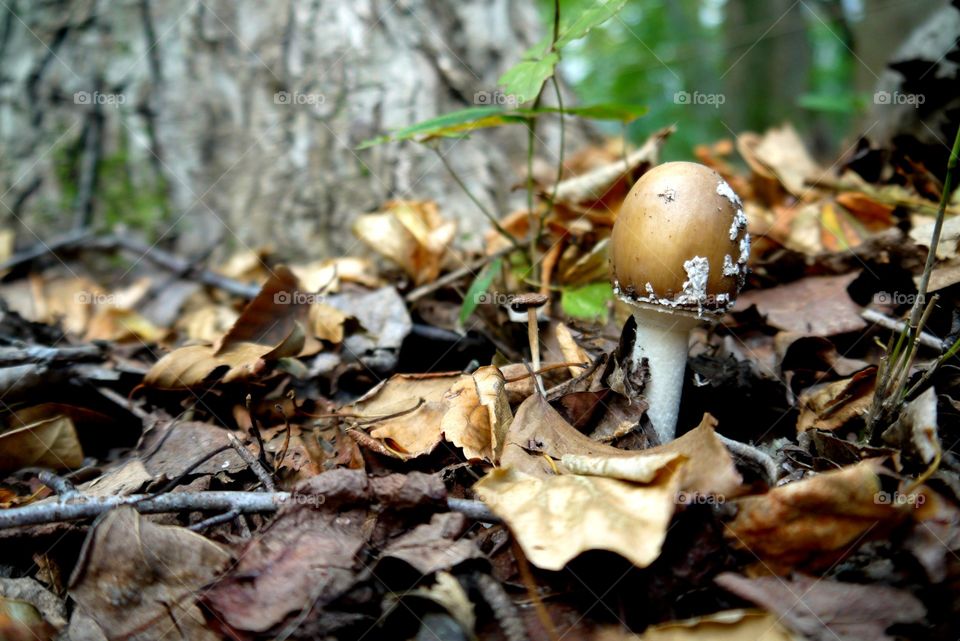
{"x": 815, "y": 64}
{"x": 230, "y": 124}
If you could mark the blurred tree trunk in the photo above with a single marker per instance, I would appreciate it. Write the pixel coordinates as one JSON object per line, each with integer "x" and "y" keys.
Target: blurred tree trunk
{"x": 768, "y": 62}
{"x": 237, "y": 121}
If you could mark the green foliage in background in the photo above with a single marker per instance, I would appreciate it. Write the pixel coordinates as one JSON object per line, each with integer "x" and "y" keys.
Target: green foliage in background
{"x": 654, "y": 50}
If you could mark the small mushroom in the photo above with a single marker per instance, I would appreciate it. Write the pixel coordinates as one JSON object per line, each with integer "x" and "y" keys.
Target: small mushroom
{"x": 679, "y": 253}
{"x": 529, "y": 303}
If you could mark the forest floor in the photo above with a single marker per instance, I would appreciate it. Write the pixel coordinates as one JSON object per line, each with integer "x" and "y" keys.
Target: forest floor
{"x": 381, "y": 446}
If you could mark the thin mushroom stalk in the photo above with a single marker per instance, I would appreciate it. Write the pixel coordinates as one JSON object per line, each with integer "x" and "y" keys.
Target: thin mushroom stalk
{"x": 679, "y": 252}
{"x": 663, "y": 340}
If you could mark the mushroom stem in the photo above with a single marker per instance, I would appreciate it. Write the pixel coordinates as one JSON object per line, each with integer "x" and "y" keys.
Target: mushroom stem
{"x": 663, "y": 339}
{"x": 534, "y": 337}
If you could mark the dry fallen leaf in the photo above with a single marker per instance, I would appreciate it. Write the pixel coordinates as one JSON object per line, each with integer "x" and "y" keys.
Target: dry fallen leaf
{"x": 138, "y": 580}
{"x": 709, "y": 468}
{"x": 915, "y": 432}
{"x": 817, "y": 305}
{"x": 406, "y": 411}
{"x": 478, "y": 414}
{"x": 555, "y": 519}
{"x": 538, "y": 436}
{"x": 412, "y": 234}
{"x": 269, "y": 328}
{"x": 50, "y": 442}
{"x": 813, "y": 521}
{"x": 327, "y": 275}
{"x": 832, "y": 406}
{"x": 827, "y": 610}
{"x": 780, "y": 152}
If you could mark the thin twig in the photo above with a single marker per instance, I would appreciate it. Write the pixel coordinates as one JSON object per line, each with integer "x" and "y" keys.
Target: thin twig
{"x": 454, "y": 276}
{"x": 12, "y": 356}
{"x": 84, "y": 506}
{"x": 486, "y": 212}
{"x": 504, "y": 611}
{"x": 252, "y": 462}
{"x": 61, "y": 486}
{"x": 255, "y": 428}
{"x": 179, "y": 265}
{"x": 214, "y": 520}
{"x": 926, "y": 339}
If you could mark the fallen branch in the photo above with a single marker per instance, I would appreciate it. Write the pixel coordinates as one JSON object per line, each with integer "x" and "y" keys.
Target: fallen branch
{"x": 83, "y": 507}
{"x": 886, "y": 322}
{"x": 12, "y": 356}
{"x": 180, "y": 266}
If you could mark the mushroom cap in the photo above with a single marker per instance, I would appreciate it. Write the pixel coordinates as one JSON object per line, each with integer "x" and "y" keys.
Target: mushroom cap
{"x": 523, "y": 302}
{"x": 680, "y": 242}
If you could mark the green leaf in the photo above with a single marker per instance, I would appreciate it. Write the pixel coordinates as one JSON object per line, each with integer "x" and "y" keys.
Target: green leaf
{"x": 587, "y": 302}
{"x": 602, "y": 111}
{"x": 466, "y": 120}
{"x": 524, "y": 79}
{"x": 600, "y": 12}
{"x": 451, "y": 124}
{"x": 477, "y": 288}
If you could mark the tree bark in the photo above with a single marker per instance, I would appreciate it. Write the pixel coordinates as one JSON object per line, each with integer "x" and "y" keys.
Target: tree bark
{"x": 236, "y": 122}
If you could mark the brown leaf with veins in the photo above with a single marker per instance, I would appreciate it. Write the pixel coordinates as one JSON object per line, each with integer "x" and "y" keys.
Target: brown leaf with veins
{"x": 269, "y": 328}
{"x": 138, "y": 580}
{"x": 537, "y": 432}
{"x": 816, "y": 305}
{"x": 556, "y": 518}
{"x": 709, "y": 468}
{"x": 306, "y": 557}
{"x": 833, "y": 405}
{"x": 411, "y": 407}
{"x": 814, "y": 521}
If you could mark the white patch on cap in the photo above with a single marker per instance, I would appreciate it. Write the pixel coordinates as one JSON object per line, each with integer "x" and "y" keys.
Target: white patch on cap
{"x": 723, "y": 189}
{"x": 738, "y": 225}
{"x": 729, "y": 268}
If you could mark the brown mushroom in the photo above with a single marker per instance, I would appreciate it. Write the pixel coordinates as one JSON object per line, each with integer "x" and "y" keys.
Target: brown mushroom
{"x": 679, "y": 253}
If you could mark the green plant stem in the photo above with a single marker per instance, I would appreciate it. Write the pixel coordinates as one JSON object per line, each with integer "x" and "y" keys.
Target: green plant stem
{"x": 556, "y": 183}
{"x": 486, "y": 212}
{"x": 937, "y": 228}
{"x": 531, "y": 214}
{"x": 895, "y": 366}
{"x": 536, "y": 222}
